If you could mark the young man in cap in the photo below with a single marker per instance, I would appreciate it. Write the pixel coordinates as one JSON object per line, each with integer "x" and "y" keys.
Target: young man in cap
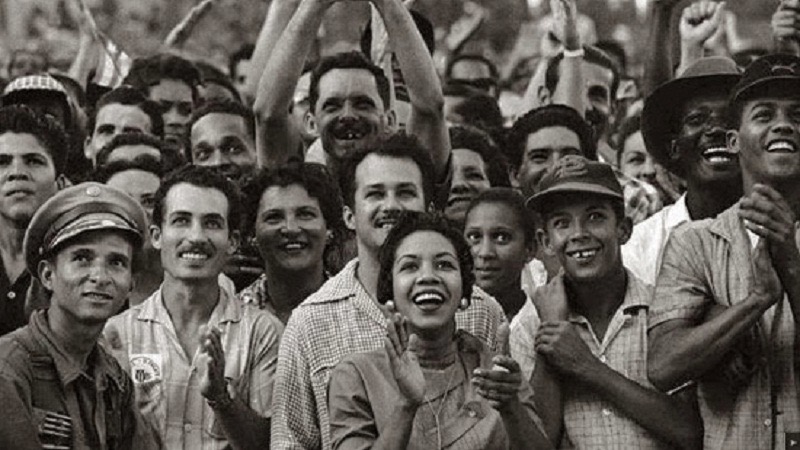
{"x": 684, "y": 124}
{"x": 64, "y": 389}
{"x": 727, "y": 298}
{"x": 343, "y": 317}
{"x": 202, "y": 363}
{"x": 586, "y": 354}
{"x": 31, "y": 163}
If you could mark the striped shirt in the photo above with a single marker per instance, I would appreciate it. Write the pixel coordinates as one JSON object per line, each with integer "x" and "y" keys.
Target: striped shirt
{"x": 339, "y": 320}
{"x": 709, "y": 262}
{"x": 591, "y": 421}
{"x": 167, "y": 380}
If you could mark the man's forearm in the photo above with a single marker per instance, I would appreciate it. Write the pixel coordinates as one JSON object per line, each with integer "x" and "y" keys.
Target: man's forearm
{"x": 548, "y": 400}
{"x": 424, "y": 89}
{"x": 658, "y": 63}
{"x": 278, "y": 16}
{"x": 243, "y": 427}
{"x": 523, "y": 432}
{"x": 682, "y": 352}
{"x": 665, "y": 417}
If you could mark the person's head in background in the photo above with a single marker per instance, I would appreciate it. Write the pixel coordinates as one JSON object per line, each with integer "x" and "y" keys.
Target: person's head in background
{"x": 222, "y": 135}
{"x": 216, "y": 85}
{"x": 350, "y": 104}
{"x": 27, "y": 61}
{"x": 174, "y": 84}
{"x": 239, "y": 68}
{"x": 633, "y": 158}
{"x": 32, "y": 160}
{"x": 475, "y": 71}
{"x": 129, "y": 146}
{"x": 295, "y": 214}
{"x": 478, "y": 164}
{"x": 601, "y": 81}
{"x": 76, "y": 97}
{"x": 542, "y": 137}
{"x": 122, "y": 110}
{"x": 501, "y": 233}
{"x": 139, "y": 178}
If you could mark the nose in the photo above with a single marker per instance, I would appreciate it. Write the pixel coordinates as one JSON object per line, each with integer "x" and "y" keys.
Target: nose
{"x": 17, "y": 169}
{"x": 347, "y": 110}
{"x": 485, "y": 249}
{"x": 173, "y": 117}
{"x": 391, "y": 203}
{"x": 99, "y": 274}
{"x": 195, "y": 232}
{"x": 782, "y": 124}
{"x": 290, "y": 225}
{"x": 216, "y": 159}
{"x": 648, "y": 169}
{"x": 427, "y": 274}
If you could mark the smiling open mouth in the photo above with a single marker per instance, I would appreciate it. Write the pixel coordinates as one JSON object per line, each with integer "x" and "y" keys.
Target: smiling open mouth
{"x": 583, "y": 255}
{"x": 782, "y": 146}
{"x": 98, "y": 296}
{"x": 293, "y": 246}
{"x": 428, "y": 301}
{"x": 386, "y": 223}
{"x": 719, "y": 155}
{"x": 193, "y": 256}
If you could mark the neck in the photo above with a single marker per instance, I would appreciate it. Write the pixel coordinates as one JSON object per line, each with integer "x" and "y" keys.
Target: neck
{"x": 368, "y": 270}
{"x": 437, "y": 349}
{"x": 11, "y": 245}
{"x": 189, "y": 301}
{"x": 707, "y": 200}
{"x": 287, "y": 288}
{"x": 598, "y": 300}
{"x": 75, "y": 338}
{"x": 511, "y": 298}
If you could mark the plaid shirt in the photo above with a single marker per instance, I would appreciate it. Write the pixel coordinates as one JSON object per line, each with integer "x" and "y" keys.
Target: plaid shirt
{"x": 709, "y": 262}
{"x": 591, "y": 421}
{"x": 338, "y": 320}
{"x": 167, "y": 381}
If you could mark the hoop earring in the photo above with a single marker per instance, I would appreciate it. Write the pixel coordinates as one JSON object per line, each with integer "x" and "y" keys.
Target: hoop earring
{"x": 463, "y": 303}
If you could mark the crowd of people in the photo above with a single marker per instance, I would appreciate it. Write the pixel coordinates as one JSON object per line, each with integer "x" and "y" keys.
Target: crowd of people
{"x": 359, "y": 250}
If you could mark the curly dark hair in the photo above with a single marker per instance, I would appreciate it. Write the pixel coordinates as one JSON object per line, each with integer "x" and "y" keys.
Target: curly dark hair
{"x": 409, "y": 223}
{"x": 514, "y": 200}
{"x": 170, "y": 157}
{"x": 204, "y": 177}
{"x": 348, "y": 60}
{"x": 391, "y": 145}
{"x": 231, "y": 107}
{"x": 314, "y": 178}
{"x": 129, "y": 96}
{"x": 149, "y": 71}
{"x": 46, "y": 130}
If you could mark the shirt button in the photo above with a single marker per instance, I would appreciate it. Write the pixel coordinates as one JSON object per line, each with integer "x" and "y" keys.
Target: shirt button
{"x": 768, "y": 423}
{"x": 12, "y": 295}
{"x": 187, "y": 427}
{"x": 472, "y": 413}
{"x": 606, "y": 412}
{"x": 603, "y": 359}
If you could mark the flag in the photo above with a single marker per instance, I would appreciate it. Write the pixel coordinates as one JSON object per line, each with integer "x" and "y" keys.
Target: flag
{"x": 113, "y": 63}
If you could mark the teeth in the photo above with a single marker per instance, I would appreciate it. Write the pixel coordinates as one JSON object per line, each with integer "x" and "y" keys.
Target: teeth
{"x": 718, "y": 154}
{"x": 194, "y": 256}
{"x": 428, "y": 297}
{"x": 294, "y": 246}
{"x": 583, "y": 254}
{"x": 781, "y": 146}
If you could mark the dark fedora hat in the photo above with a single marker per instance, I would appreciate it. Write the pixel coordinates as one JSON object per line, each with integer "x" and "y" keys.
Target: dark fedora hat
{"x": 661, "y": 116}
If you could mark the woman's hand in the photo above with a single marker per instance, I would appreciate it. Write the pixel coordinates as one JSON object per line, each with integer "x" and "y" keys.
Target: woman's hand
{"x": 401, "y": 349}
{"x": 500, "y": 384}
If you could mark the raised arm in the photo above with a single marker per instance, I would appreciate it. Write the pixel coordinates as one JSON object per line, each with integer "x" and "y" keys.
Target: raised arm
{"x": 427, "y": 120}
{"x": 179, "y": 34}
{"x": 785, "y": 25}
{"x": 699, "y": 22}
{"x": 87, "y": 41}
{"x": 683, "y": 348}
{"x": 277, "y": 138}
{"x": 658, "y": 62}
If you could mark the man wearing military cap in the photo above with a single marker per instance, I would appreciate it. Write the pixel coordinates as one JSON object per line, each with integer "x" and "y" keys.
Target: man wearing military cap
{"x": 65, "y": 390}
{"x": 727, "y": 298}
{"x": 683, "y": 124}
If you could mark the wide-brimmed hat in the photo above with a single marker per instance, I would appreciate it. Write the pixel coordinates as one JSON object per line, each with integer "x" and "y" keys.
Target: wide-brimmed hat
{"x": 661, "y": 116}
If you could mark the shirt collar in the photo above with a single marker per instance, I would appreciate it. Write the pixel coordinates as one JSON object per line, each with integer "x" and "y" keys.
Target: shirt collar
{"x": 637, "y": 296}
{"x": 677, "y": 214}
{"x": 153, "y": 309}
{"x": 728, "y": 225}
{"x": 68, "y": 370}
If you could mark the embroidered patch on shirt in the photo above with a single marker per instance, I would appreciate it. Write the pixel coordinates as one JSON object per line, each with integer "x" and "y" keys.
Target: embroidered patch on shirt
{"x": 146, "y": 367}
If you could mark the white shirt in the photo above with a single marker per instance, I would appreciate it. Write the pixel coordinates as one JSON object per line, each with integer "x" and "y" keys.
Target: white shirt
{"x": 642, "y": 253}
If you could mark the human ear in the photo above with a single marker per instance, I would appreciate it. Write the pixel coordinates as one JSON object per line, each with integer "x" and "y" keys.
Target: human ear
{"x": 45, "y": 269}
{"x": 310, "y": 123}
{"x": 349, "y": 218}
{"x": 732, "y": 138}
{"x": 625, "y": 229}
{"x": 234, "y": 239}
{"x": 155, "y": 236}
{"x": 545, "y": 242}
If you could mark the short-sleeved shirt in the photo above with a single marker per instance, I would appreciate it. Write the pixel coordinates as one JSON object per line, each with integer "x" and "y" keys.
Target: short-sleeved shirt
{"x": 363, "y": 393}
{"x": 643, "y": 252}
{"x": 591, "y": 421}
{"x": 167, "y": 380}
{"x": 339, "y": 320}
{"x": 710, "y": 262}
{"x": 51, "y": 401}
{"x": 12, "y": 300}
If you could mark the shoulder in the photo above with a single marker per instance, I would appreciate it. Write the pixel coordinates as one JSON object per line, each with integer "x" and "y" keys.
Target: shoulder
{"x": 15, "y": 357}
{"x": 334, "y": 290}
{"x": 364, "y": 365}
